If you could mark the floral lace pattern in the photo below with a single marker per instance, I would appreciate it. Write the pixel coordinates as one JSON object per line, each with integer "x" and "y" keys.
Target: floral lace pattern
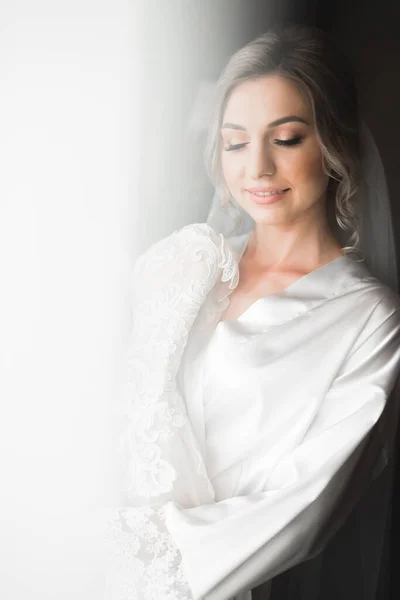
{"x": 144, "y": 562}
{"x": 173, "y": 279}
{"x": 178, "y": 280}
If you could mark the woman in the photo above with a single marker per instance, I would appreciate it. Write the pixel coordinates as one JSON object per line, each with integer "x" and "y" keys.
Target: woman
{"x": 261, "y": 363}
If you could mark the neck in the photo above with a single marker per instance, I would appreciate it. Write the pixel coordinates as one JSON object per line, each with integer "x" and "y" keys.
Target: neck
{"x": 305, "y": 244}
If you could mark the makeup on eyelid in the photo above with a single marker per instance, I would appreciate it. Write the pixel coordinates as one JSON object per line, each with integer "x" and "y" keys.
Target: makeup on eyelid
{"x": 294, "y": 141}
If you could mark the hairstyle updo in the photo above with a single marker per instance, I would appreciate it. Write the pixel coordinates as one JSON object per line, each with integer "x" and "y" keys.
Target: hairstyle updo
{"x": 309, "y": 58}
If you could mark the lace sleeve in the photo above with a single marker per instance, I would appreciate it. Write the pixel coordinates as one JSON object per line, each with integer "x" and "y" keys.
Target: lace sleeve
{"x": 144, "y": 561}
{"x": 172, "y": 285}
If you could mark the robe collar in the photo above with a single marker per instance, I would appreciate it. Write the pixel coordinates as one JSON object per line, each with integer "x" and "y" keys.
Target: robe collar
{"x": 335, "y": 278}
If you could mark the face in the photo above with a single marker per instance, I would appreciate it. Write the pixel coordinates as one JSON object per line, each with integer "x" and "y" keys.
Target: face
{"x": 269, "y": 144}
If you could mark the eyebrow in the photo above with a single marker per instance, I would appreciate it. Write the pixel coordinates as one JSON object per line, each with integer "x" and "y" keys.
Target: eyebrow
{"x": 275, "y": 123}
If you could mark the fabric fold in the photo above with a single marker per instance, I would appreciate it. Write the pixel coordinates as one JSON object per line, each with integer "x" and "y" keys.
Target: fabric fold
{"x": 241, "y": 436}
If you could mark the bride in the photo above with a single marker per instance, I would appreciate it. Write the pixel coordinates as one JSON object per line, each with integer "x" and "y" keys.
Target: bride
{"x": 263, "y": 358}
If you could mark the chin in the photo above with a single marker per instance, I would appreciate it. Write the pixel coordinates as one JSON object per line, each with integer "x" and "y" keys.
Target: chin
{"x": 270, "y": 221}
{"x": 271, "y": 212}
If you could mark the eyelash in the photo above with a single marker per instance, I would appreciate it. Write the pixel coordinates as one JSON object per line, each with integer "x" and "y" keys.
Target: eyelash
{"x": 291, "y": 142}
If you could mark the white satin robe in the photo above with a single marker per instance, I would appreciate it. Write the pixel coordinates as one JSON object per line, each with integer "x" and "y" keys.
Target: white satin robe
{"x": 281, "y": 401}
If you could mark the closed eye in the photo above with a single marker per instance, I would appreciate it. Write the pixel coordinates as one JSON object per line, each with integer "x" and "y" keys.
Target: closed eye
{"x": 291, "y": 142}
{"x": 234, "y": 147}
{"x": 278, "y": 142}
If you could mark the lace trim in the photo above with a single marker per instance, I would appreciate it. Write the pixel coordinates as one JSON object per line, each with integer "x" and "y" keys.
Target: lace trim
{"x": 172, "y": 285}
{"x": 173, "y": 279}
{"x": 143, "y": 560}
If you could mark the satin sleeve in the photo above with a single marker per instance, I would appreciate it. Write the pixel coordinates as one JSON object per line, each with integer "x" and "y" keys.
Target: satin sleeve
{"x": 230, "y": 546}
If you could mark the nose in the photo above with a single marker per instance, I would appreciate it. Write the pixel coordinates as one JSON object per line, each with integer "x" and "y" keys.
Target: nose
{"x": 260, "y": 161}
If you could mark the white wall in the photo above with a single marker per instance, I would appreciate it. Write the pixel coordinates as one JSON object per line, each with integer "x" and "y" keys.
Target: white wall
{"x": 69, "y": 72}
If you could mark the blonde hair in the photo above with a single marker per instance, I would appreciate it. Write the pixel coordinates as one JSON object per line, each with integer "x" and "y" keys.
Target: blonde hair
{"x": 309, "y": 58}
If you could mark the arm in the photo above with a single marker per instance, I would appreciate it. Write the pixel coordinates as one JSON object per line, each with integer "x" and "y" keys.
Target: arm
{"x": 230, "y": 546}
{"x": 171, "y": 281}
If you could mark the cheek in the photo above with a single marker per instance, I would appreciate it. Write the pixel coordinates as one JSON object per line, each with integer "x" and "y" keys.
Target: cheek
{"x": 231, "y": 169}
{"x": 305, "y": 169}
{"x": 301, "y": 168}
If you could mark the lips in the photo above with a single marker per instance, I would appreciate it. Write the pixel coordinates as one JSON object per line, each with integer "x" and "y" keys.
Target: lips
{"x": 266, "y": 189}
{"x": 266, "y": 195}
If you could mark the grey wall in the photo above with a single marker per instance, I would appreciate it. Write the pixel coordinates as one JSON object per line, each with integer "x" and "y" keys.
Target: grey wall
{"x": 369, "y": 31}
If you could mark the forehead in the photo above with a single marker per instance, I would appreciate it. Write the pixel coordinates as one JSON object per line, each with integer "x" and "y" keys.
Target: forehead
{"x": 265, "y": 99}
